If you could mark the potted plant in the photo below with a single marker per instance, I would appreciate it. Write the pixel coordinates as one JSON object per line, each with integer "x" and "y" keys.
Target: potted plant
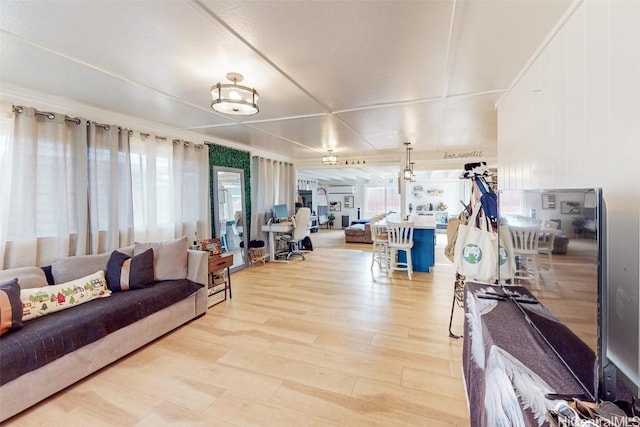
{"x": 331, "y": 217}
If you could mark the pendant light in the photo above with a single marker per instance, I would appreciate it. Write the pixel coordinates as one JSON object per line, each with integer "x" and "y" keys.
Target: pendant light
{"x": 330, "y": 158}
{"x": 408, "y": 170}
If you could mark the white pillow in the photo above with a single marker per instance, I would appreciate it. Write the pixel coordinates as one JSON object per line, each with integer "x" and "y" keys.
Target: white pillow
{"x": 74, "y": 267}
{"x": 170, "y": 258}
{"x": 38, "y": 302}
{"x": 28, "y": 277}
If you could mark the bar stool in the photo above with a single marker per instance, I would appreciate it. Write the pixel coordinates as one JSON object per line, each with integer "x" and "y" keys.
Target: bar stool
{"x": 380, "y": 249}
{"x": 525, "y": 247}
{"x": 547, "y": 240}
{"x": 400, "y": 238}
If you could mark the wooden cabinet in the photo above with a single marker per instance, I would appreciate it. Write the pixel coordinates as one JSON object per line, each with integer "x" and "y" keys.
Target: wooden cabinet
{"x": 219, "y": 278}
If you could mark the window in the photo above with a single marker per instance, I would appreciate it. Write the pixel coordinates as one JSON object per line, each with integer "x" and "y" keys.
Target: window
{"x": 380, "y": 200}
{"x": 151, "y": 176}
{"x": 71, "y": 191}
{"x": 510, "y": 202}
{"x": 170, "y": 188}
{"x": 42, "y": 178}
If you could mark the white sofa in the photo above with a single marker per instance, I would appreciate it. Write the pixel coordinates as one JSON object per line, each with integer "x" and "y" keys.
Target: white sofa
{"x": 32, "y": 387}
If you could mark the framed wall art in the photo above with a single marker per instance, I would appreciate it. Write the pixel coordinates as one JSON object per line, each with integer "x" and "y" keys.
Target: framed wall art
{"x": 571, "y": 208}
{"x": 348, "y": 202}
{"x": 548, "y": 201}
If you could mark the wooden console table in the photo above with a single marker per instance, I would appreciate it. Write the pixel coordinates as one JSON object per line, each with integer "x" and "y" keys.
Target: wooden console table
{"x": 219, "y": 268}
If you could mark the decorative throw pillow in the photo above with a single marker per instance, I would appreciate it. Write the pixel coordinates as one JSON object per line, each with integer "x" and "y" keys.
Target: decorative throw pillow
{"x": 38, "y": 302}
{"x": 28, "y": 277}
{"x": 125, "y": 272}
{"x": 10, "y": 307}
{"x": 169, "y": 258}
{"x": 74, "y": 267}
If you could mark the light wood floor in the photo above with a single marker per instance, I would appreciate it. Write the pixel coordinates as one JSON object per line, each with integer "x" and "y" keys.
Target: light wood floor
{"x": 320, "y": 342}
{"x": 309, "y": 343}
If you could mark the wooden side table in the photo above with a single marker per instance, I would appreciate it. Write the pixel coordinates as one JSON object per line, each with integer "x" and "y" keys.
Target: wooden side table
{"x": 219, "y": 267}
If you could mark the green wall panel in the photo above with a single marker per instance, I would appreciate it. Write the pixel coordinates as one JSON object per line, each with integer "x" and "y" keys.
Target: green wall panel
{"x": 220, "y": 155}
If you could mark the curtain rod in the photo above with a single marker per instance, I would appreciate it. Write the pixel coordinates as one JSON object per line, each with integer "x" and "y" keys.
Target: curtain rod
{"x": 147, "y": 135}
{"x": 20, "y": 109}
{"x": 272, "y": 160}
{"x": 51, "y": 116}
{"x": 175, "y": 141}
{"x": 103, "y": 126}
{"x": 187, "y": 143}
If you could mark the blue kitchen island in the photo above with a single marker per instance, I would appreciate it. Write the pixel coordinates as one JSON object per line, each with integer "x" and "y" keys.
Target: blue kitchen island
{"x": 423, "y": 253}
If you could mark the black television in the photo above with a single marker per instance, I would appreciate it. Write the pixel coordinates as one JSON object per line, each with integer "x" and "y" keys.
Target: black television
{"x": 576, "y": 290}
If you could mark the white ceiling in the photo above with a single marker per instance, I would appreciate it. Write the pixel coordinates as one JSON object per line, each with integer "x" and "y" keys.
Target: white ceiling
{"x": 360, "y": 77}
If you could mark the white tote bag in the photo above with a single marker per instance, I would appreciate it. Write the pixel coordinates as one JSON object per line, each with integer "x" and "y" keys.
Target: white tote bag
{"x": 476, "y": 249}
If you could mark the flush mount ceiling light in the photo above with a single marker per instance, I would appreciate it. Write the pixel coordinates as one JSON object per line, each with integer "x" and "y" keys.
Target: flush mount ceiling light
{"x": 232, "y": 98}
{"x": 408, "y": 174}
{"x": 330, "y": 158}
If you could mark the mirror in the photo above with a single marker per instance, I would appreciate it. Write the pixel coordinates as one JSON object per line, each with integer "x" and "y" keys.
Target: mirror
{"x": 570, "y": 281}
{"x": 229, "y": 213}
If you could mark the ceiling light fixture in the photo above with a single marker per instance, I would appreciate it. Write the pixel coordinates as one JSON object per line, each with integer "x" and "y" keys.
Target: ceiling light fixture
{"x": 232, "y": 98}
{"x": 408, "y": 168}
{"x": 330, "y": 158}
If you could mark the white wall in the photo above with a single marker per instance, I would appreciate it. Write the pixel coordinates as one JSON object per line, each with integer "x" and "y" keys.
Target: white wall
{"x": 452, "y": 193}
{"x": 352, "y": 213}
{"x": 573, "y": 120}
{"x": 534, "y": 201}
{"x": 358, "y": 200}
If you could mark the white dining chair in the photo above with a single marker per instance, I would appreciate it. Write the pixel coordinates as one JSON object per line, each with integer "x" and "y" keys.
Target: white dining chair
{"x": 546, "y": 241}
{"x": 400, "y": 238}
{"x": 525, "y": 247}
{"x": 380, "y": 238}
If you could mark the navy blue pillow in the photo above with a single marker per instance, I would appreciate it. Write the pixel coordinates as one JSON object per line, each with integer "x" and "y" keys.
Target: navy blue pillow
{"x": 10, "y": 307}
{"x": 126, "y": 273}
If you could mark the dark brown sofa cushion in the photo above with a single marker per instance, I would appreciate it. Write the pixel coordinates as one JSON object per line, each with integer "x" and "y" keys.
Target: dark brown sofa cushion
{"x": 358, "y": 233}
{"x": 560, "y": 244}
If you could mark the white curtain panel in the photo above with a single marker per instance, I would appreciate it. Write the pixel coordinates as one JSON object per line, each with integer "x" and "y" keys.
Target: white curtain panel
{"x": 72, "y": 188}
{"x": 273, "y": 182}
{"x": 304, "y": 184}
{"x": 202, "y": 202}
{"x": 152, "y": 183}
{"x": 6, "y": 167}
{"x": 170, "y": 182}
{"x": 311, "y": 186}
{"x": 286, "y": 192}
{"x": 191, "y": 186}
{"x": 45, "y": 210}
{"x": 110, "y": 196}
{"x": 262, "y": 196}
